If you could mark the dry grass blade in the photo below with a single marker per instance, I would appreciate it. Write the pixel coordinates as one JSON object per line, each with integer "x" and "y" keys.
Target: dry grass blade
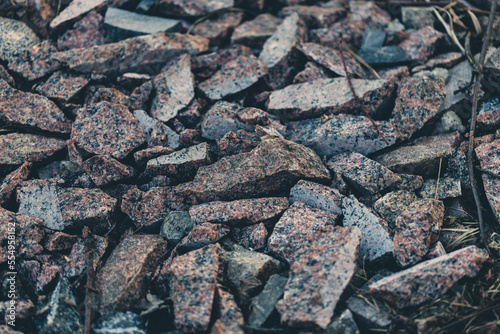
{"x": 439, "y": 175}
{"x": 449, "y": 29}
{"x": 362, "y": 61}
{"x": 475, "y": 22}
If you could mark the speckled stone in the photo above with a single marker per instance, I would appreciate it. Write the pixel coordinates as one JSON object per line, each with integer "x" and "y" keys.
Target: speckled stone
{"x": 239, "y": 212}
{"x": 263, "y": 305}
{"x": 4, "y": 75}
{"x": 156, "y": 132}
{"x": 492, "y": 68}
{"x": 74, "y": 11}
{"x": 183, "y": 163}
{"x": 222, "y": 118}
{"x": 341, "y": 133}
{"x": 420, "y": 157}
{"x": 75, "y": 263}
{"x": 278, "y": 50}
{"x": 218, "y": 28}
{"x": 121, "y": 322}
{"x": 488, "y": 155}
{"x": 29, "y": 232}
{"x": 16, "y": 37}
{"x": 36, "y": 62}
{"x": 203, "y": 234}
{"x": 177, "y": 224}
{"x": 62, "y": 87}
{"x": 296, "y": 225}
{"x": 236, "y": 142}
{"x": 314, "y": 16}
{"x": 397, "y": 73}
{"x": 322, "y": 270}
{"x": 253, "y": 236}
{"x": 174, "y": 90}
{"x": 317, "y": 196}
{"x": 488, "y": 114}
{"x": 391, "y": 205}
{"x": 113, "y": 95}
{"x": 193, "y": 281}
{"x": 40, "y": 13}
{"x": 234, "y": 77}
{"x": 87, "y": 32}
{"x": 332, "y": 60}
{"x": 430, "y": 279}
{"x": 205, "y": 65}
{"x": 445, "y": 60}
{"x": 229, "y": 316}
{"x": 412, "y": 111}
{"x": 311, "y": 72}
{"x": 19, "y": 108}
{"x": 273, "y": 165}
{"x": 435, "y": 251}
{"x": 409, "y": 182}
{"x": 365, "y": 175}
{"x": 417, "y": 228}
{"x": 18, "y": 148}
{"x": 254, "y": 33}
{"x": 329, "y": 96}
{"x": 107, "y": 129}
{"x": 143, "y": 156}
{"x": 103, "y": 169}
{"x": 146, "y": 209}
{"x": 376, "y": 243}
{"x": 131, "y": 54}
{"x": 446, "y": 188}
{"x": 422, "y": 43}
{"x": 123, "y": 280}
{"x": 66, "y": 209}
{"x": 192, "y": 8}
{"x": 11, "y": 181}
{"x": 58, "y": 241}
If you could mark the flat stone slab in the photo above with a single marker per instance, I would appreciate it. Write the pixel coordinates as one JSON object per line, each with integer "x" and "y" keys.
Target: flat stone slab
{"x": 446, "y": 188}
{"x": 422, "y": 43}
{"x": 430, "y": 279}
{"x": 108, "y": 129}
{"x": 19, "y": 108}
{"x": 103, "y": 169}
{"x": 417, "y": 228}
{"x": 392, "y": 204}
{"x": 263, "y": 305}
{"x": 317, "y": 196}
{"x": 239, "y": 212}
{"x": 341, "y": 133}
{"x": 488, "y": 155}
{"x": 273, "y": 165}
{"x": 376, "y": 241}
{"x": 74, "y": 11}
{"x": 36, "y": 62}
{"x": 296, "y": 225}
{"x": 177, "y": 224}
{"x": 203, "y": 234}
{"x": 311, "y": 72}
{"x": 192, "y": 8}
{"x": 11, "y": 181}
{"x": 174, "y": 90}
{"x": 363, "y": 174}
{"x": 87, "y": 32}
{"x": 322, "y": 270}
{"x": 328, "y": 96}
{"x": 218, "y": 28}
{"x": 113, "y": 95}
{"x": 255, "y": 32}
{"x": 122, "y": 280}
{"x": 62, "y": 87}
{"x": 221, "y": 118}
{"x": 233, "y": 77}
{"x": 16, "y": 37}
{"x": 146, "y": 209}
{"x": 193, "y": 282}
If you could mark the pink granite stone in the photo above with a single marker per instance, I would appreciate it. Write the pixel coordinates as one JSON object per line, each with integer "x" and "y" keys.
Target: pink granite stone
{"x": 255, "y": 32}
{"x": 311, "y": 72}
{"x": 12, "y": 180}
{"x": 192, "y": 8}
{"x": 253, "y": 236}
{"x": 75, "y": 10}
{"x": 76, "y": 262}
{"x": 488, "y": 114}
{"x": 219, "y": 28}
{"x": 113, "y": 95}
{"x": 488, "y": 155}
{"x": 36, "y": 62}
{"x": 317, "y": 196}
{"x": 239, "y": 212}
{"x": 394, "y": 73}
{"x": 87, "y": 32}
{"x": 62, "y": 87}
{"x": 315, "y": 16}
{"x": 203, "y": 234}
{"x": 143, "y": 156}
{"x": 409, "y": 182}
{"x": 221, "y": 118}
{"x": 103, "y": 169}
{"x": 446, "y": 187}
{"x": 58, "y": 241}
{"x": 40, "y": 13}
{"x": 430, "y": 279}
{"x": 422, "y": 43}
{"x": 445, "y": 60}
{"x": 229, "y": 316}
{"x": 146, "y": 209}
{"x": 236, "y": 142}
{"x": 204, "y": 66}
{"x": 392, "y": 204}
{"x": 322, "y": 270}
{"x": 4, "y": 75}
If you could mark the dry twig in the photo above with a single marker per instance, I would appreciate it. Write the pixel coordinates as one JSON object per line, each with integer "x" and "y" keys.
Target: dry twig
{"x": 89, "y": 262}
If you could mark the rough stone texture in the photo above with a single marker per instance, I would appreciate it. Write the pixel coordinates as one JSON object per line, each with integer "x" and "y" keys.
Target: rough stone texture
{"x": 239, "y": 212}
{"x": 58, "y": 241}
{"x": 397, "y": 73}
{"x": 181, "y": 164}
{"x": 297, "y": 224}
{"x": 435, "y": 251}
{"x": 193, "y": 281}
{"x": 420, "y": 157}
{"x": 228, "y": 313}
{"x": 75, "y": 10}
{"x": 222, "y": 118}
{"x": 445, "y": 60}
{"x": 488, "y": 114}
{"x": 19, "y": 108}
{"x": 18, "y": 148}
{"x": 430, "y": 279}
{"x": 376, "y": 243}
{"x": 365, "y": 175}
{"x": 413, "y": 110}
{"x": 446, "y": 188}
{"x": 311, "y": 72}
{"x": 341, "y": 133}
{"x": 329, "y": 96}
{"x": 422, "y": 43}
{"x": 263, "y": 305}
{"x": 233, "y": 143}
{"x": 253, "y": 236}
{"x": 417, "y": 228}
{"x": 254, "y": 33}
{"x": 273, "y": 165}
{"x": 4, "y": 75}
{"x": 107, "y": 129}
{"x": 343, "y": 323}
{"x": 488, "y": 155}
{"x": 409, "y": 182}
{"x": 233, "y": 77}
{"x": 449, "y": 122}
{"x": 123, "y": 280}
{"x": 120, "y": 322}
{"x": 317, "y": 196}
{"x": 103, "y": 169}
{"x": 156, "y": 132}
{"x": 174, "y": 90}
{"x": 219, "y": 28}
{"x": 16, "y": 37}
{"x": 89, "y": 31}
{"x": 177, "y": 224}
{"x": 278, "y": 51}
{"x": 314, "y": 16}
{"x": 204, "y": 66}
{"x": 143, "y": 156}
{"x": 113, "y": 95}
{"x": 66, "y": 209}
{"x": 75, "y": 263}
{"x": 391, "y": 205}
{"x": 192, "y": 8}
{"x": 11, "y": 181}
{"x": 36, "y": 62}
{"x": 146, "y": 209}
{"x": 322, "y": 270}
{"x": 203, "y": 234}
{"x": 131, "y": 54}
{"x": 62, "y": 87}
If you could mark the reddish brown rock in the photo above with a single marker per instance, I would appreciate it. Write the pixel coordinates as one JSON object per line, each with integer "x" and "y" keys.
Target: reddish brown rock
{"x": 143, "y": 156}
{"x": 218, "y": 28}
{"x": 322, "y": 270}
{"x": 107, "y": 129}
{"x": 409, "y": 182}
{"x": 19, "y": 108}
{"x": 222, "y": 118}
{"x": 417, "y": 228}
{"x": 203, "y": 234}
{"x": 254, "y": 33}
{"x": 394, "y": 73}
{"x": 435, "y": 251}
{"x": 146, "y": 209}
{"x": 62, "y": 87}
{"x": 40, "y": 13}
{"x": 16, "y": 38}
{"x": 228, "y": 313}
{"x": 488, "y": 114}
{"x": 488, "y": 155}
{"x": 297, "y": 224}
{"x": 123, "y": 280}
{"x": 12, "y": 180}
{"x": 253, "y": 236}
{"x": 317, "y": 196}
{"x": 76, "y": 262}
{"x": 445, "y": 60}
{"x": 446, "y": 188}
{"x": 103, "y": 169}
{"x": 234, "y": 143}
{"x": 192, "y": 8}
{"x": 58, "y": 241}
{"x": 239, "y": 212}
{"x": 89, "y": 31}
{"x": 113, "y": 95}
{"x": 430, "y": 279}
{"x": 422, "y": 43}
{"x": 74, "y": 11}
{"x": 204, "y": 66}
{"x": 311, "y": 72}
{"x": 392, "y": 204}
{"x": 314, "y": 16}
{"x": 192, "y": 287}
{"x": 36, "y": 62}
{"x": 4, "y": 75}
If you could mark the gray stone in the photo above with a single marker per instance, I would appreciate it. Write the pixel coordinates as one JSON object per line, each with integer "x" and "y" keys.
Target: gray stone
{"x": 221, "y": 119}
{"x": 262, "y": 306}
{"x": 449, "y": 122}
{"x": 446, "y": 188}
{"x": 343, "y": 324}
{"x": 254, "y": 33}
{"x": 120, "y": 322}
{"x": 391, "y": 205}
{"x": 191, "y": 8}
{"x": 15, "y": 38}
{"x": 456, "y": 76}
{"x": 177, "y": 225}
{"x": 437, "y": 73}
{"x": 74, "y": 11}
{"x": 417, "y": 17}
{"x": 317, "y": 196}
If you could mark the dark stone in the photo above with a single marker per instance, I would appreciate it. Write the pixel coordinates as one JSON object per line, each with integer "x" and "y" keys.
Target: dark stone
{"x": 254, "y": 33}
{"x": 192, "y": 8}
{"x": 36, "y": 62}
{"x": 445, "y": 188}
{"x": 74, "y": 11}
{"x": 218, "y": 28}
{"x": 146, "y": 209}
{"x": 89, "y": 31}
{"x": 62, "y": 87}
{"x": 391, "y": 205}
{"x": 228, "y": 313}
{"x": 58, "y": 241}
{"x": 386, "y": 55}
{"x": 262, "y": 306}
{"x": 315, "y": 16}
{"x": 177, "y": 225}
{"x": 113, "y": 95}
{"x": 488, "y": 114}
{"x": 203, "y": 234}
{"x": 16, "y": 38}
{"x": 103, "y": 169}
{"x": 40, "y": 13}
{"x": 75, "y": 264}
{"x": 488, "y": 155}
{"x": 119, "y": 322}
{"x": 373, "y": 38}
{"x": 253, "y": 236}
{"x": 12, "y": 181}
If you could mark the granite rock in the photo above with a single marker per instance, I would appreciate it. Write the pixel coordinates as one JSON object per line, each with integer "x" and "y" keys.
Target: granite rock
{"x": 435, "y": 251}
{"x": 36, "y": 62}
{"x": 113, "y": 95}
{"x": 12, "y": 181}
{"x": 409, "y": 182}
{"x": 40, "y": 13}
{"x": 386, "y": 55}
{"x": 253, "y": 236}
{"x": 236, "y": 142}
{"x": 449, "y": 122}
{"x": 62, "y": 87}
{"x": 74, "y": 11}
{"x": 89, "y": 31}
{"x": 103, "y": 169}
{"x": 262, "y": 306}
{"x": 417, "y": 17}
{"x": 146, "y": 209}
{"x": 204, "y": 66}
{"x": 124, "y": 322}
{"x": 75, "y": 264}
{"x": 391, "y": 205}
{"x": 311, "y": 72}
{"x": 317, "y": 196}
{"x": 343, "y": 323}
{"x": 315, "y": 16}
{"x": 488, "y": 114}
{"x": 58, "y": 241}
{"x": 219, "y": 28}
{"x": 222, "y": 118}
{"x": 488, "y": 155}
{"x": 4, "y": 75}
{"x": 422, "y": 43}
{"x": 16, "y": 37}
{"x": 254, "y": 33}
{"x": 228, "y": 313}
{"x": 446, "y": 188}
{"x": 176, "y": 225}
{"x": 203, "y": 234}
{"x": 192, "y": 8}
{"x": 444, "y": 60}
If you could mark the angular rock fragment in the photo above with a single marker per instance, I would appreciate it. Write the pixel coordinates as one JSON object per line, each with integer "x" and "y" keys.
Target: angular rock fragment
{"x": 386, "y": 55}
{"x": 329, "y": 96}
{"x": 343, "y": 323}
{"x": 365, "y": 175}
{"x": 263, "y": 305}
{"x": 192, "y": 285}
{"x": 376, "y": 243}
{"x": 488, "y": 155}
{"x": 103, "y": 169}
{"x": 311, "y": 72}
{"x": 107, "y": 129}
{"x": 203, "y": 234}
{"x": 192, "y": 8}
{"x": 174, "y": 90}
{"x": 317, "y": 196}
{"x": 488, "y": 114}
{"x": 417, "y": 17}
{"x": 16, "y": 37}
{"x": 235, "y": 143}
{"x": 341, "y": 133}
{"x": 74, "y": 11}
{"x": 62, "y": 87}
{"x": 36, "y": 62}
{"x": 113, "y": 95}
{"x": 87, "y": 32}
{"x": 409, "y": 182}
{"x": 121, "y": 322}
{"x": 233, "y": 77}
{"x": 430, "y": 279}
{"x": 76, "y": 262}
{"x": 322, "y": 270}
{"x": 11, "y": 181}
{"x": 314, "y": 16}
{"x": 254, "y": 33}
{"x": 58, "y": 241}
{"x": 4, "y": 75}
{"x": 228, "y": 313}
{"x": 204, "y": 66}
{"x": 297, "y": 224}
{"x": 239, "y": 212}
{"x": 19, "y": 108}
{"x": 221, "y": 119}
{"x": 422, "y": 43}
{"x": 446, "y": 188}
{"x": 391, "y": 205}
{"x": 445, "y": 60}
{"x": 146, "y": 209}
{"x": 253, "y": 236}
{"x": 177, "y": 225}
{"x": 435, "y": 251}
{"x": 40, "y": 13}
{"x": 219, "y": 28}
